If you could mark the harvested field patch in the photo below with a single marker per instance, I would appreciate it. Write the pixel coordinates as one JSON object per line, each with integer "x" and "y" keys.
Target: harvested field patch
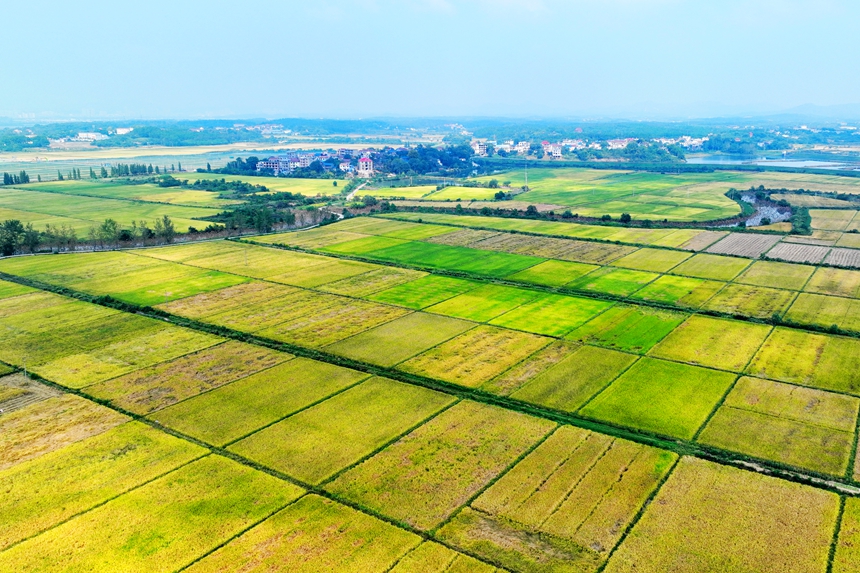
{"x": 825, "y": 311}
{"x": 663, "y": 397}
{"x": 159, "y": 386}
{"x": 712, "y": 267}
{"x": 462, "y": 237}
{"x": 485, "y": 302}
{"x": 847, "y": 557}
{"x": 819, "y": 360}
{"x": 594, "y": 253}
{"x": 698, "y": 242}
{"x": 552, "y": 314}
{"x": 553, "y": 273}
{"x": 714, "y": 342}
{"x": 628, "y": 327}
{"x": 311, "y": 535}
{"x": 207, "y": 304}
{"x": 425, "y": 476}
{"x": 49, "y": 425}
{"x": 424, "y": 292}
{"x": 654, "y": 260}
{"x": 777, "y": 275}
{"x": 475, "y": 356}
{"x": 237, "y": 409}
{"x": 571, "y": 382}
{"x": 432, "y": 557}
{"x": 161, "y": 526}
{"x": 836, "y": 282}
{"x": 318, "y": 442}
{"x": 564, "y": 506}
{"x": 18, "y": 391}
{"x": 844, "y": 258}
{"x": 52, "y": 488}
{"x": 510, "y": 380}
{"x": 789, "y": 424}
{"x": 710, "y": 517}
{"x": 799, "y": 200}
{"x": 312, "y": 239}
{"x": 400, "y": 339}
{"x": 798, "y": 253}
{"x": 329, "y": 270}
{"x": 680, "y": 291}
{"x": 283, "y": 309}
{"x": 744, "y": 245}
{"x": 370, "y": 282}
{"x": 754, "y": 301}
{"x": 620, "y": 282}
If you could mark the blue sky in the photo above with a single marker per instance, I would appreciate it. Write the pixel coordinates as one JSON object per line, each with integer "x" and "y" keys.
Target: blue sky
{"x": 371, "y": 58}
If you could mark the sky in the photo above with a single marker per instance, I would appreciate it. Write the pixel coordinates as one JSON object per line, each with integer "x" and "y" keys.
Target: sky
{"x": 636, "y": 59}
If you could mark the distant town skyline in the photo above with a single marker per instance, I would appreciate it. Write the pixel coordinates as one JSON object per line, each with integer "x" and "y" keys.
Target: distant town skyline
{"x": 634, "y": 59}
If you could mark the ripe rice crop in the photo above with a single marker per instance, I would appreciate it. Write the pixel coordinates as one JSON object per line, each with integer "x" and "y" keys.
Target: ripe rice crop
{"x": 847, "y": 557}
{"x": 161, "y": 526}
{"x": 316, "y": 443}
{"x": 425, "y": 476}
{"x": 710, "y": 517}
{"x": 313, "y": 534}
{"x": 825, "y": 311}
{"x": 312, "y": 239}
{"x": 8, "y": 289}
{"x": 712, "y": 267}
{"x": 797, "y": 253}
{"x": 49, "y": 425}
{"x": 160, "y": 386}
{"x": 462, "y": 237}
{"x": 744, "y": 245}
{"x": 776, "y": 275}
{"x": 754, "y": 301}
{"x": 663, "y": 397}
{"x": 655, "y": 260}
{"x": 681, "y": 291}
{"x": 844, "y": 258}
{"x": 432, "y": 557}
{"x": 831, "y": 219}
{"x": 476, "y": 355}
{"x": 790, "y": 424}
{"x": 371, "y": 281}
{"x": 836, "y": 282}
{"x": 510, "y": 380}
{"x": 245, "y": 294}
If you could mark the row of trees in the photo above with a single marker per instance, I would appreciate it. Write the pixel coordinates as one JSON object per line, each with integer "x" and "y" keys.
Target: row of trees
{"x": 15, "y": 179}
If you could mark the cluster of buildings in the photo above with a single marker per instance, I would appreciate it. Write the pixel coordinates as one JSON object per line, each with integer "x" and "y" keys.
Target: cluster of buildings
{"x": 342, "y": 160}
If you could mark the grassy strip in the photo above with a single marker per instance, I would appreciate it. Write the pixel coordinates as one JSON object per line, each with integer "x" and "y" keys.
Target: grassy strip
{"x": 681, "y": 447}
{"x": 834, "y": 543}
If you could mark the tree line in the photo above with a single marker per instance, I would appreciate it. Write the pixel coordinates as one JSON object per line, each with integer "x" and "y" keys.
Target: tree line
{"x": 15, "y": 178}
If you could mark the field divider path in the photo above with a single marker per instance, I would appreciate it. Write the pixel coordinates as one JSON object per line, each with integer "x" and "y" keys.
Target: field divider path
{"x": 841, "y": 485}
{"x": 834, "y": 542}
{"x": 852, "y": 459}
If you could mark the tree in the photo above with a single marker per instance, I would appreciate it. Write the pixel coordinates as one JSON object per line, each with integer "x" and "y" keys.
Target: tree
{"x": 493, "y": 184}
{"x": 59, "y": 175}
{"x": 104, "y": 173}
{"x": 164, "y": 228}
{"x": 11, "y": 237}
{"x": 625, "y": 218}
{"x": 92, "y": 173}
{"x": 108, "y": 232}
{"x": 32, "y": 238}
{"x": 208, "y": 167}
{"x": 531, "y": 211}
{"x": 263, "y": 220}
{"x": 180, "y": 166}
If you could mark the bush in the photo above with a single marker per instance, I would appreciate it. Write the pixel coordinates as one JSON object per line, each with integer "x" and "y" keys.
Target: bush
{"x": 606, "y": 218}
{"x": 626, "y": 218}
{"x": 567, "y": 215}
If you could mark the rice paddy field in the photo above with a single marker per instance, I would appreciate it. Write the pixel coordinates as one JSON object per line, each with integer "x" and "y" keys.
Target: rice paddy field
{"x": 399, "y": 396}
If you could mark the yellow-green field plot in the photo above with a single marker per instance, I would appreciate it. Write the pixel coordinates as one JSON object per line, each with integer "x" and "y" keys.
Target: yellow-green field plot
{"x": 162, "y": 526}
{"x": 754, "y": 301}
{"x": 400, "y": 339}
{"x": 620, "y": 282}
{"x": 628, "y": 327}
{"x": 654, "y": 260}
{"x": 778, "y": 275}
{"x": 237, "y": 409}
{"x": 847, "y": 556}
{"x": 709, "y": 517}
{"x": 424, "y": 292}
{"x": 454, "y": 193}
{"x": 798, "y": 426}
{"x": 836, "y": 282}
{"x": 425, "y": 476}
{"x": 552, "y": 314}
{"x": 118, "y": 189}
{"x": 316, "y": 443}
{"x": 713, "y": 342}
{"x": 680, "y": 291}
{"x": 564, "y": 506}
{"x": 476, "y": 355}
{"x": 430, "y": 557}
{"x": 371, "y": 281}
{"x": 819, "y": 360}
{"x": 56, "y": 486}
{"x": 825, "y": 311}
{"x": 831, "y": 219}
{"x": 553, "y": 273}
{"x": 711, "y": 267}
{"x": 308, "y": 187}
{"x": 311, "y": 535}
{"x": 663, "y": 397}
{"x": 412, "y": 192}
{"x": 485, "y": 302}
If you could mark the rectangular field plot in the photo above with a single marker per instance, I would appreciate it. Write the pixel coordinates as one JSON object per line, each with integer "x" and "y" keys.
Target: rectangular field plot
{"x": 400, "y": 339}
{"x": 819, "y": 360}
{"x": 311, "y": 535}
{"x": 663, "y": 397}
{"x": 425, "y": 476}
{"x": 713, "y": 342}
{"x": 572, "y": 381}
{"x": 432, "y": 557}
{"x": 363, "y": 246}
{"x": 237, "y": 409}
{"x": 776, "y": 275}
{"x": 744, "y": 245}
{"x": 246, "y": 294}
{"x": 847, "y": 557}
{"x": 485, "y": 302}
{"x": 797, "y": 253}
{"x": 825, "y": 311}
{"x": 709, "y": 517}
{"x": 161, "y": 526}
{"x": 680, "y": 291}
{"x": 49, "y": 425}
{"x": 609, "y": 280}
{"x": 475, "y": 356}
{"x": 9, "y": 289}
{"x": 831, "y": 219}
{"x": 564, "y": 506}
{"x": 789, "y": 424}
{"x": 159, "y": 386}
{"x": 424, "y": 292}
{"x": 318, "y": 442}
{"x": 654, "y": 260}
{"x": 553, "y": 273}
{"x": 836, "y": 282}
{"x": 745, "y": 300}
{"x": 327, "y": 271}
{"x": 313, "y": 239}
{"x": 545, "y": 358}
{"x": 711, "y": 267}
{"x": 552, "y": 314}
{"x": 370, "y": 282}
{"x": 52, "y": 488}
{"x": 628, "y": 327}
{"x": 844, "y": 258}
{"x": 476, "y": 261}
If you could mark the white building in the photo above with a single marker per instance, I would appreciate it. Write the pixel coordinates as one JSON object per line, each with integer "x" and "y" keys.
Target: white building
{"x": 365, "y": 167}
{"x": 124, "y": 130}
{"x": 89, "y": 136}
{"x": 345, "y": 166}
{"x": 479, "y": 147}
{"x": 523, "y": 147}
